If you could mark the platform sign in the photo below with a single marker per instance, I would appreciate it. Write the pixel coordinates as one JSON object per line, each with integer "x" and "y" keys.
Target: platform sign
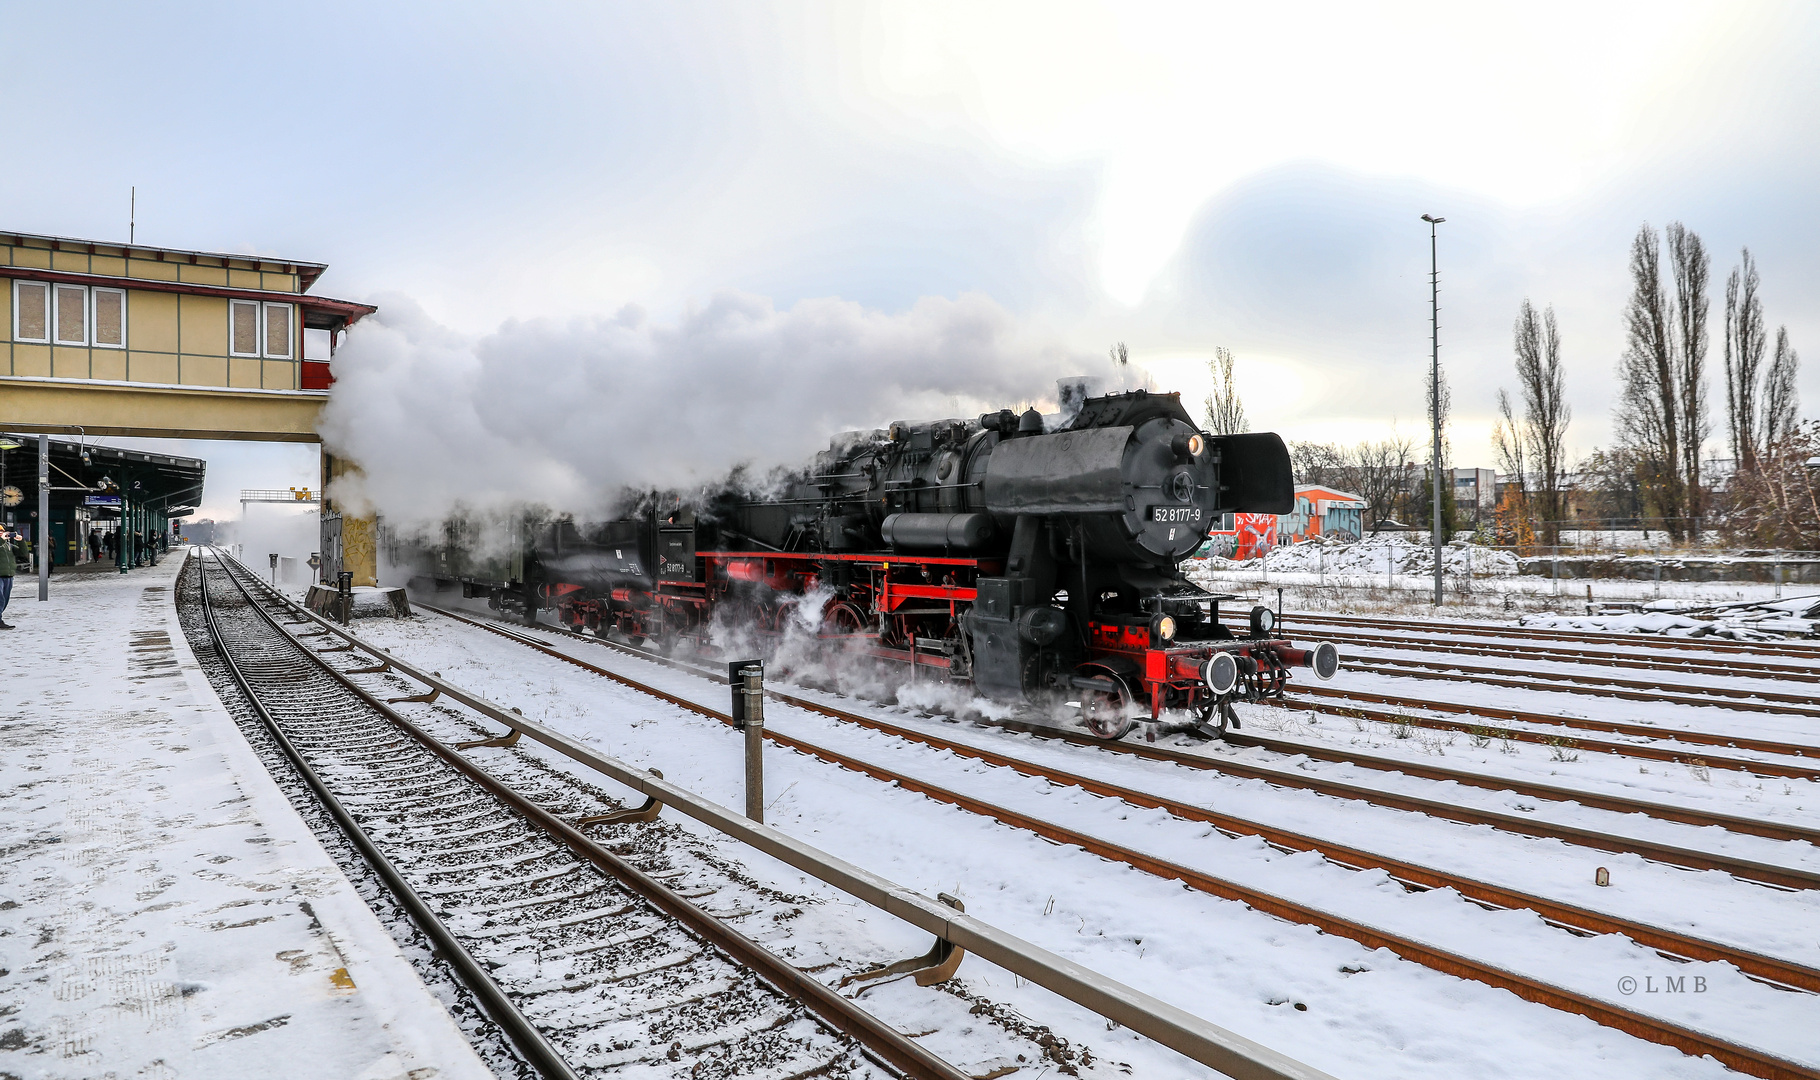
{"x": 101, "y": 500}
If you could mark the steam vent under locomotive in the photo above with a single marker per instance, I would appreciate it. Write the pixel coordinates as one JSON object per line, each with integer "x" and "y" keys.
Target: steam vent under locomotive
{"x": 1041, "y": 565}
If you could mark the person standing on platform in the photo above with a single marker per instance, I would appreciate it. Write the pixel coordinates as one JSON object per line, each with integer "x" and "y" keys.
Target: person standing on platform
{"x": 94, "y": 544}
{"x": 12, "y": 555}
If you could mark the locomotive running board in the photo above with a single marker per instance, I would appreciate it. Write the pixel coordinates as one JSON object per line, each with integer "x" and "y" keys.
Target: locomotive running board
{"x": 938, "y": 965}
{"x": 647, "y": 812}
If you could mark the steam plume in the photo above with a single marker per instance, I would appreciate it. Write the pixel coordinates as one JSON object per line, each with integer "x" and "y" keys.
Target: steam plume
{"x": 566, "y": 413}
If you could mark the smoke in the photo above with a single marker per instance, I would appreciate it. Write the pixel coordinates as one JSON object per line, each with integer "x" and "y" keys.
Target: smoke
{"x": 273, "y": 529}
{"x": 567, "y": 413}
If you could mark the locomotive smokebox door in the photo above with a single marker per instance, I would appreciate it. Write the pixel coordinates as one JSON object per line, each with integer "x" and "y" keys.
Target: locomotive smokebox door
{"x": 676, "y": 554}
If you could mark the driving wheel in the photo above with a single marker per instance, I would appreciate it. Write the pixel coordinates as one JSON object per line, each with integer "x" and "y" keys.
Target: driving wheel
{"x": 1107, "y": 713}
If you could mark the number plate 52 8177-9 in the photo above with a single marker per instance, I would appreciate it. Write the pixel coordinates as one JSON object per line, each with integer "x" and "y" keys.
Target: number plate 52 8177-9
{"x": 1190, "y": 514}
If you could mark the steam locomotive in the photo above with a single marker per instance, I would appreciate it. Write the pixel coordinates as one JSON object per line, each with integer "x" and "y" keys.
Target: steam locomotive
{"x": 1038, "y": 561}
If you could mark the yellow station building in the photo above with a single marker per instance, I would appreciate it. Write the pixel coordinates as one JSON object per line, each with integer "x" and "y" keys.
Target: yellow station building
{"x": 127, "y": 339}
{"x": 75, "y": 309}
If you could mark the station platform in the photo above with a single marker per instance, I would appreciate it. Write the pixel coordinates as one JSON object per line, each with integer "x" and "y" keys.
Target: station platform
{"x": 164, "y": 911}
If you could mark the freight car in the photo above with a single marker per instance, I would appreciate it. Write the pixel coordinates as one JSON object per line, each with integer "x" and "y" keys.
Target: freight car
{"x": 1037, "y": 560}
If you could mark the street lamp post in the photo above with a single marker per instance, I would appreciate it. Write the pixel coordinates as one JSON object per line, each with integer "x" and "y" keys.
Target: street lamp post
{"x": 1434, "y": 375}
{"x": 41, "y": 533}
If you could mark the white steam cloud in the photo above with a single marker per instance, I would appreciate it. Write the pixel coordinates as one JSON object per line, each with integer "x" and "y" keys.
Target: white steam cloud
{"x": 567, "y": 413}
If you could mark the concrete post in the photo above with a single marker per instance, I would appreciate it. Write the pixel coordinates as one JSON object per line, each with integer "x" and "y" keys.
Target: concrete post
{"x": 754, "y": 690}
{"x": 41, "y": 535}
{"x": 359, "y": 535}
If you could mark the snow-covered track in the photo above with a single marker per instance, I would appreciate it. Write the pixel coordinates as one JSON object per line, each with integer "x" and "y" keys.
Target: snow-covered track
{"x": 1601, "y": 839}
{"x": 594, "y": 967}
{"x": 1712, "y": 667}
{"x": 1605, "y": 840}
{"x": 1427, "y": 626}
{"x": 1744, "y": 698}
{"x": 1338, "y": 701}
{"x": 1581, "y": 921}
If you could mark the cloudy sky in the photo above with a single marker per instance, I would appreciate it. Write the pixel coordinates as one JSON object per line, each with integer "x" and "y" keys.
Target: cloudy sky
{"x": 988, "y": 194}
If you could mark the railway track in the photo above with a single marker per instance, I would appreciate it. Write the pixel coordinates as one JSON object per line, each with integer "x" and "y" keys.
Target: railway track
{"x": 1337, "y": 702}
{"x": 592, "y": 966}
{"x": 1685, "y": 665}
{"x": 1795, "y": 650}
{"x": 1724, "y": 697}
{"x": 1783, "y": 877}
{"x": 1777, "y": 972}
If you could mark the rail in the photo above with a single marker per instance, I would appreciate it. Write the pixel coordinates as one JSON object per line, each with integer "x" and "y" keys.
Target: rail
{"x": 1176, "y": 1028}
{"x": 1764, "y": 969}
{"x": 883, "y": 1041}
{"x": 518, "y": 1029}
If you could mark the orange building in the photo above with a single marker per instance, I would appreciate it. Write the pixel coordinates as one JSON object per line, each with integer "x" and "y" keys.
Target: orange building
{"x": 1323, "y": 511}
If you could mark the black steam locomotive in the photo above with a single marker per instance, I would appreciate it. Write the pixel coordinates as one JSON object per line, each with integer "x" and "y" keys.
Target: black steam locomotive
{"x": 1036, "y": 564}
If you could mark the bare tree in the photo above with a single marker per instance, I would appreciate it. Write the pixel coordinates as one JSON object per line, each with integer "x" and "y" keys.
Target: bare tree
{"x": 1379, "y": 473}
{"x": 1539, "y": 438}
{"x": 1778, "y": 504}
{"x": 1610, "y": 481}
{"x": 1692, "y": 267}
{"x": 1225, "y": 412}
{"x": 1318, "y": 463}
{"x": 1508, "y": 439}
{"x": 1120, "y": 358}
{"x": 1781, "y": 397}
{"x": 1649, "y": 413}
{"x": 1746, "y": 339}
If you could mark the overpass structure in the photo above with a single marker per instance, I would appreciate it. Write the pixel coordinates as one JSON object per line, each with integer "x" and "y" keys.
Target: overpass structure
{"x": 103, "y": 339}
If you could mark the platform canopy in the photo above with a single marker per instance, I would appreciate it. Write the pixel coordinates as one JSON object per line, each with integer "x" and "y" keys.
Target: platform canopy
{"x": 82, "y": 472}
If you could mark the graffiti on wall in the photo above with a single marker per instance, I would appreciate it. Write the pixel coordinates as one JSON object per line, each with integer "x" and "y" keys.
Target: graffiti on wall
{"x": 1252, "y": 535}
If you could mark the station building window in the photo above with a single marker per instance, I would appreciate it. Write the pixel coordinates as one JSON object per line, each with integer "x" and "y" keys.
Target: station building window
{"x": 72, "y": 315}
{"x": 31, "y": 311}
{"x": 278, "y": 331}
{"x": 108, "y": 326}
{"x": 243, "y": 339}
{"x": 257, "y": 329}
{"x": 69, "y": 314}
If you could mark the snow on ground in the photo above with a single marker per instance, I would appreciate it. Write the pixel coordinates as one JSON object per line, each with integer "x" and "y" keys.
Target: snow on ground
{"x": 1387, "y": 553}
{"x": 1368, "y": 1013}
{"x": 1772, "y": 620}
{"x": 1392, "y": 574}
{"x": 164, "y": 912}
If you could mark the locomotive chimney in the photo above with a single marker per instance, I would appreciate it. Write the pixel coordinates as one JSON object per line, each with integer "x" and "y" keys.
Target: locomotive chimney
{"x": 1071, "y": 393}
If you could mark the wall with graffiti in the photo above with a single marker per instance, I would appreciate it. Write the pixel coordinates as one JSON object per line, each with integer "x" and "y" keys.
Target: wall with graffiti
{"x": 1242, "y": 536}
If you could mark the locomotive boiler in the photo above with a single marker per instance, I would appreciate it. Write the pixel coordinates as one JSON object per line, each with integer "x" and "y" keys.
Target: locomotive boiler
{"x": 1037, "y": 561}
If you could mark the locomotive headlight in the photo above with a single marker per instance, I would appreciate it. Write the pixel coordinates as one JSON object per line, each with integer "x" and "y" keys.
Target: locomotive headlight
{"x": 1263, "y": 621}
{"x": 1162, "y": 628}
{"x": 1187, "y": 445}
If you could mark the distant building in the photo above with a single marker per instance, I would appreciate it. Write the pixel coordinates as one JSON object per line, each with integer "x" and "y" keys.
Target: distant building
{"x": 1323, "y": 511}
{"x": 1475, "y": 490}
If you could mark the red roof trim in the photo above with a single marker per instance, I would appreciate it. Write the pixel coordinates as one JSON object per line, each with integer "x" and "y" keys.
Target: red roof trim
{"x": 354, "y": 312}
